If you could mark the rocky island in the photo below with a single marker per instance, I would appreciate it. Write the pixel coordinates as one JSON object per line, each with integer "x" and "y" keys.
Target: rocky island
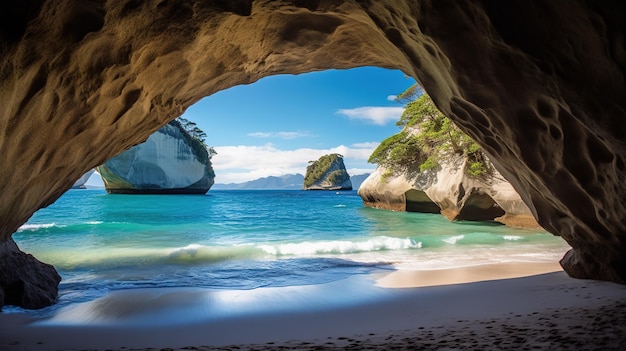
{"x": 327, "y": 173}
{"x": 171, "y": 161}
{"x": 433, "y": 167}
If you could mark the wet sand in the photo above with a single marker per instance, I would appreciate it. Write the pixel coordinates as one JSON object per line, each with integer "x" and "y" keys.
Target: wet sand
{"x": 493, "y": 307}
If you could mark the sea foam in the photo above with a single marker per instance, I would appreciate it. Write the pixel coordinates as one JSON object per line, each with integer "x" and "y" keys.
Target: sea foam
{"x": 33, "y": 227}
{"x": 341, "y": 246}
{"x": 452, "y": 240}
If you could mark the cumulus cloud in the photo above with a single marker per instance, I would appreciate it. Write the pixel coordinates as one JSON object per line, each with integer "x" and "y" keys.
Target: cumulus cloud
{"x": 373, "y": 114}
{"x": 392, "y": 97}
{"x": 236, "y": 164}
{"x": 280, "y": 135}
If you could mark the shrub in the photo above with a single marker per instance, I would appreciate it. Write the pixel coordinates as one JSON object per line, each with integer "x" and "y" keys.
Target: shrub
{"x": 316, "y": 169}
{"x": 427, "y": 138}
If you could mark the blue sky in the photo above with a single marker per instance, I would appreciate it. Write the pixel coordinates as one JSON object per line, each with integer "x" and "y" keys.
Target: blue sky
{"x": 277, "y": 124}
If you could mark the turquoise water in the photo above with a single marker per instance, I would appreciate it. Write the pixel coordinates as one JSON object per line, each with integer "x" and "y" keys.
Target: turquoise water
{"x": 250, "y": 239}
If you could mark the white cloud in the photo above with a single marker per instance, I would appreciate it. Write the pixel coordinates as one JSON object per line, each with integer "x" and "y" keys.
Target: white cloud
{"x": 392, "y": 97}
{"x": 236, "y": 164}
{"x": 260, "y": 134}
{"x": 281, "y": 135}
{"x": 373, "y": 114}
{"x": 368, "y": 145}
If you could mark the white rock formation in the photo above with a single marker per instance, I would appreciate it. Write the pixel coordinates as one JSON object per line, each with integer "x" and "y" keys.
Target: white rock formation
{"x": 449, "y": 191}
{"x": 170, "y": 161}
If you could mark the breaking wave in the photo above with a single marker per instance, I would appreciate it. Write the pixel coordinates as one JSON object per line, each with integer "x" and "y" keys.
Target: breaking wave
{"x": 380, "y": 243}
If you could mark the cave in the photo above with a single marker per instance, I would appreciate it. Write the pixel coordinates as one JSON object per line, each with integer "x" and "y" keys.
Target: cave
{"x": 418, "y": 201}
{"x": 539, "y": 85}
{"x": 479, "y": 207}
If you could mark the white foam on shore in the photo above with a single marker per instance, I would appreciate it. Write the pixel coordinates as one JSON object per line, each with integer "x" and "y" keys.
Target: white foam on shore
{"x": 454, "y": 239}
{"x": 94, "y": 222}
{"x": 33, "y": 227}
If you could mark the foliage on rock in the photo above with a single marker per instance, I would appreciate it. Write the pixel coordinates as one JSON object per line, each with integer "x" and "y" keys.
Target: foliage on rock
{"x": 198, "y": 137}
{"x": 317, "y": 169}
{"x": 428, "y": 138}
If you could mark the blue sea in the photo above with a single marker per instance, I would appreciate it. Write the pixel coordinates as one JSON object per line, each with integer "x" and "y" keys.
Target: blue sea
{"x": 242, "y": 240}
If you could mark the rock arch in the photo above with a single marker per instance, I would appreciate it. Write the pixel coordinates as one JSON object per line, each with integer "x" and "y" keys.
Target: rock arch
{"x": 417, "y": 201}
{"x": 539, "y": 84}
{"x": 479, "y": 207}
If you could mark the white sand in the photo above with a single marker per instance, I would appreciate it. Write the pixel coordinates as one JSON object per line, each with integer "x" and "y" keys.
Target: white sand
{"x": 541, "y": 311}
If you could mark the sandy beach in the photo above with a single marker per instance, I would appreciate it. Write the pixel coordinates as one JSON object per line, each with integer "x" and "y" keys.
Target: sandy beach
{"x": 521, "y": 306}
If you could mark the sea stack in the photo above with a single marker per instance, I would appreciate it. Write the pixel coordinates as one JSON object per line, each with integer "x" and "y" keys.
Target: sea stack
{"x": 431, "y": 166}
{"x": 170, "y": 161}
{"x": 449, "y": 191}
{"x": 327, "y": 173}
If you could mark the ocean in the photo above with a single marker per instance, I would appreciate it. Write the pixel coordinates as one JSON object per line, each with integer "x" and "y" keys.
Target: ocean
{"x": 245, "y": 239}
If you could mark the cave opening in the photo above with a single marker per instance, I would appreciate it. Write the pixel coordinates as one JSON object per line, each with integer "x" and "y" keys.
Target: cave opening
{"x": 546, "y": 102}
{"x": 418, "y": 201}
{"x": 269, "y": 129}
{"x": 128, "y": 85}
{"x": 480, "y": 207}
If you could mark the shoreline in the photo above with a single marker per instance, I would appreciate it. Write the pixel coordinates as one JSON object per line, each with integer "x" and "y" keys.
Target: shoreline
{"x": 539, "y": 308}
{"x": 407, "y": 278}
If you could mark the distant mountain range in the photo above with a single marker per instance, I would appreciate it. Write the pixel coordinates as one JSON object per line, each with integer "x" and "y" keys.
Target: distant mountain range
{"x": 358, "y": 179}
{"x": 285, "y": 182}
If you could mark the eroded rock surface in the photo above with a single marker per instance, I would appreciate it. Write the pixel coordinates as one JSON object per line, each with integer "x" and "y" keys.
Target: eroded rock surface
{"x": 449, "y": 191}
{"x": 539, "y": 84}
{"x": 170, "y": 162}
{"x": 25, "y": 281}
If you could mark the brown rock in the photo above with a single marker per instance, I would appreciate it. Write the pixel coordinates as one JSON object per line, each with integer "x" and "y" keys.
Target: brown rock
{"x": 539, "y": 84}
{"x": 25, "y": 281}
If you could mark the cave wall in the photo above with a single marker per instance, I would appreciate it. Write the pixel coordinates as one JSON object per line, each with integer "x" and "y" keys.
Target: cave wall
{"x": 539, "y": 84}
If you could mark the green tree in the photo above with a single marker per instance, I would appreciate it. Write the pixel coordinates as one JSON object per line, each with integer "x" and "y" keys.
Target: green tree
{"x": 427, "y": 138}
{"x": 196, "y": 133}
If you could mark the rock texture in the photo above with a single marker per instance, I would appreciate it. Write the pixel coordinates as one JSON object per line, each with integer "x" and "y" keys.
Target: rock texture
{"x": 327, "y": 173}
{"x": 25, "y": 281}
{"x": 169, "y": 162}
{"x": 539, "y": 84}
{"x": 449, "y": 191}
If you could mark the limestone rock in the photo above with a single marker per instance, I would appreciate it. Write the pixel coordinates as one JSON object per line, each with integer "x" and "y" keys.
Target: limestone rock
{"x": 25, "y": 281}
{"x": 169, "y": 162}
{"x": 80, "y": 183}
{"x": 539, "y": 84}
{"x": 327, "y": 173}
{"x": 449, "y": 191}
{"x": 394, "y": 193}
